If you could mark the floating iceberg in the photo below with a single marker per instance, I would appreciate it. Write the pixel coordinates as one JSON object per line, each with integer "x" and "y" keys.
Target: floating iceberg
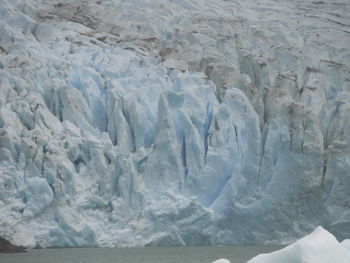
{"x": 318, "y": 247}
{"x": 346, "y": 243}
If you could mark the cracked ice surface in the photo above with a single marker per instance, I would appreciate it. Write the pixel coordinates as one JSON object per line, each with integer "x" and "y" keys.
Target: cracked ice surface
{"x": 173, "y": 122}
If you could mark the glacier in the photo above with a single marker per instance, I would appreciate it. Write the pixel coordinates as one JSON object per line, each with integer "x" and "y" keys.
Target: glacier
{"x": 146, "y": 123}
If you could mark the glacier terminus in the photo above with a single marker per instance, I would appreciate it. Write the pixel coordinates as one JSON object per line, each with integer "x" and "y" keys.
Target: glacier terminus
{"x": 173, "y": 122}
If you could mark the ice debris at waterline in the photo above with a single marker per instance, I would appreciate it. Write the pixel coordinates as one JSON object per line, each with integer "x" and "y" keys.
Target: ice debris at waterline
{"x": 145, "y": 122}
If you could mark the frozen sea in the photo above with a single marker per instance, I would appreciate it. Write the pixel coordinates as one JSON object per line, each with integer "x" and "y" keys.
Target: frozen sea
{"x": 236, "y": 254}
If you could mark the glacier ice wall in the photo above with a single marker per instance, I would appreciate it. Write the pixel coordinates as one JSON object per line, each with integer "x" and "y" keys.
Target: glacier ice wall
{"x": 143, "y": 123}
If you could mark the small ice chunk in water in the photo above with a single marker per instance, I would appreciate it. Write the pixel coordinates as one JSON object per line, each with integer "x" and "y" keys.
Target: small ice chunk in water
{"x": 221, "y": 260}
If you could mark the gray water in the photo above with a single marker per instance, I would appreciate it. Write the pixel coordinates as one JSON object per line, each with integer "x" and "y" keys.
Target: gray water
{"x": 236, "y": 254}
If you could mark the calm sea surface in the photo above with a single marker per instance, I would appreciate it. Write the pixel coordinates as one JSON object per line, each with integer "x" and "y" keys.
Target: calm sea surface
{"x": 236, "y": 254}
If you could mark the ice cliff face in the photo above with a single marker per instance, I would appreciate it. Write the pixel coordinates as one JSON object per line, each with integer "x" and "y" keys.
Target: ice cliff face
{"x": 176, "y": 122}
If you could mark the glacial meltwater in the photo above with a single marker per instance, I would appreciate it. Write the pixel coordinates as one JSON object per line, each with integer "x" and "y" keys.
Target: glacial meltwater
{"x": 236, "y": 254}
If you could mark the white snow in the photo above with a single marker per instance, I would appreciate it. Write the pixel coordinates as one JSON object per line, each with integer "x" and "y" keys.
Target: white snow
{"x": 132, "y": 123}
{"x": 318, "y": 247}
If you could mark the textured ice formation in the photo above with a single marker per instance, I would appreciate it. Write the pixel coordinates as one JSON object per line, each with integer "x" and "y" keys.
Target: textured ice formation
{"x": 142, "y": 123}
{"x": 318, "y": 247}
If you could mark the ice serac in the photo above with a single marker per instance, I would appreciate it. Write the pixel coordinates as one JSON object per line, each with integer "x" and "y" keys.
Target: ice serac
{"x": 320, "y": 246}
{"x": 146, "y": 123}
